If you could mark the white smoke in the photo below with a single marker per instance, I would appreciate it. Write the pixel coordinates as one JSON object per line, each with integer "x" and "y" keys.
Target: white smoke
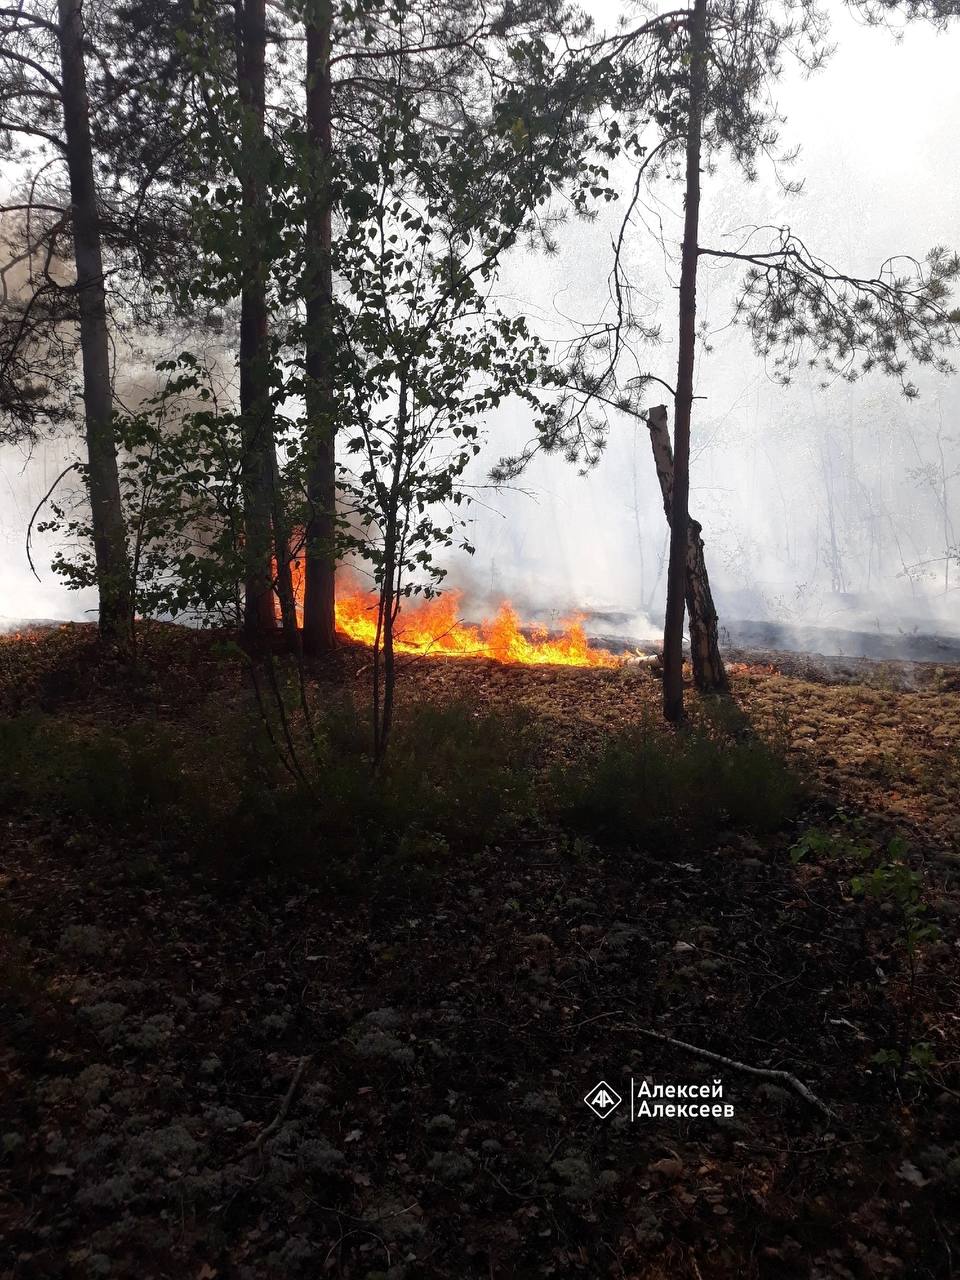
{"x": 833, "y": 507}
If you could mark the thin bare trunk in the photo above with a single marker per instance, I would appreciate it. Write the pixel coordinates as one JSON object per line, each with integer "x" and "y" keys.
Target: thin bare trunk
{"x": 384, "y": 682}
{"x": 282, "y": 539}
{"x": 709, "y": 673}
{"x": 319, "y": 614}
{"x": 679, "y": 533}
{"x": 109, "y": 531}
{"x": 383, "y": 707}
{"x": 390, "y": 584}
{"x": 255, "y": 411}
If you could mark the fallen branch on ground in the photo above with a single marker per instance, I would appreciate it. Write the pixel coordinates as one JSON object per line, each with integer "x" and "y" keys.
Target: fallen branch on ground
{"x": 765, "y": 1073}
{"x": 285, "y": 1106}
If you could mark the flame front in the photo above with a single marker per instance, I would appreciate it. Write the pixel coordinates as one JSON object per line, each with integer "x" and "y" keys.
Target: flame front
{"x": 433, "y": 627}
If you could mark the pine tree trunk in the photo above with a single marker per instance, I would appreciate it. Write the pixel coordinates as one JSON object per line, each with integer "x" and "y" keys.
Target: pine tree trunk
{"x": 709, "y": 673}
{"x": 319, "y": 617}
{"x": 683, "y": 402}
{"x": 259, "y": 618}
{"x": 109, "y": 531}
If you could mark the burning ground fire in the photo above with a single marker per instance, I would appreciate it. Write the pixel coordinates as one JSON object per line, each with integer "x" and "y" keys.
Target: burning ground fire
{"x": 434, "y": 628}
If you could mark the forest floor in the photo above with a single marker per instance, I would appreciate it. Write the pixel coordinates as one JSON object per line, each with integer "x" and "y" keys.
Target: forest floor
{"x": 222, "y": 1071}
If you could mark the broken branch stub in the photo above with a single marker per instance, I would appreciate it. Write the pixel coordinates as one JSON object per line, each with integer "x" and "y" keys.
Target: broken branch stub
{"x": 709, "y": 673}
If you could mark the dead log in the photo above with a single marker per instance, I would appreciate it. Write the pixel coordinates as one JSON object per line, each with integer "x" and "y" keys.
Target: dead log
{"x": 709, "y": 673}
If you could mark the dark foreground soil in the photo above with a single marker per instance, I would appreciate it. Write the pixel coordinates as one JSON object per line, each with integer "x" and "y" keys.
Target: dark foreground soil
{"x": 440, "y": 1035}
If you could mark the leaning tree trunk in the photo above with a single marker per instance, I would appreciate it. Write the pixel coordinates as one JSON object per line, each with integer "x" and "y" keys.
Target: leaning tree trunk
{"x": 256, "y": 424}
{"x": 109, "y": 531}
{"x": 709, "y": 673}
{"x": 683, "y": 401}
{"x": 320, "y": 551}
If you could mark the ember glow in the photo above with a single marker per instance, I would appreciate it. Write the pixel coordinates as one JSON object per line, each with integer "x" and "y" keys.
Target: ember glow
{"x": 434, "y": 628}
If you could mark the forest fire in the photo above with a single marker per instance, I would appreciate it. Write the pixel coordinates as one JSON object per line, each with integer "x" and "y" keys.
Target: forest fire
{"x": 434, "y": 628}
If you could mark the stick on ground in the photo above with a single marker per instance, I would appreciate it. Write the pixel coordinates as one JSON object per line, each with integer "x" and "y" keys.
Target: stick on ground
{"x": 285, "y": 1106}
{"x": 765, "y": 1073}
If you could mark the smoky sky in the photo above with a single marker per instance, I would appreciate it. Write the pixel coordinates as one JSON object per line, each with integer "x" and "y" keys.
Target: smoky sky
{"x": 817, "y": 504}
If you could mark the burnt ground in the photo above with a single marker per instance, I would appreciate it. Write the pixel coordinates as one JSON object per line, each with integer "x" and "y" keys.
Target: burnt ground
{"x": 911, "y": 645}
{"x": 157, "y": 1008}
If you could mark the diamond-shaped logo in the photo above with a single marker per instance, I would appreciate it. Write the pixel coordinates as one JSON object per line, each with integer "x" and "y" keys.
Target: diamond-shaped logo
{"x": 603, "y": 1099}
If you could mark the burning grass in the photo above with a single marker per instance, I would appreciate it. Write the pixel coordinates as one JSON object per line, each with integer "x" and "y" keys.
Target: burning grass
{"x": 434, "y": 628}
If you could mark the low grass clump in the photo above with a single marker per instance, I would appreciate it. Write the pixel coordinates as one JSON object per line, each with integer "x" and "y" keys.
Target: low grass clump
{"x": 242, "y": 795}
{"x": 455, "y": 779}
{"x": 662, "y": 790}
{"x": 115, "y": 777}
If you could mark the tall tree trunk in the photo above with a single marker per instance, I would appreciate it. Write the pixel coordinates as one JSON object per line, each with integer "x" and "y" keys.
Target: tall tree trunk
{"x": 319, "y": 615}
{"x": 677, "y": 568}
{"x": 109, "y": 532}
{"x": 709, "y": 673}
{"x": 255, "y": 411}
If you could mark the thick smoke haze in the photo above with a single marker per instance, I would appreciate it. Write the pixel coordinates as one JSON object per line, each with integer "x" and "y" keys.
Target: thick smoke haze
{"x": 833, "y": 507}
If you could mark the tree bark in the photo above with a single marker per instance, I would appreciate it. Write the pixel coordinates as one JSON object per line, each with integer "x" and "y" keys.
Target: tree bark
{"x": 282, "y": 542}
{"x": 109, "y": 531}
{"x": 683, "y": 400}
{"x": 320, "y": 553}
{"x": 389, "y": 586}
{"x": 258, "y": 466}
{"x": 709, "y": 673}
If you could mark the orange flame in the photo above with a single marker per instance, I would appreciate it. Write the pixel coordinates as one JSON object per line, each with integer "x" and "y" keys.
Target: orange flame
{"x": 433, "y": 627}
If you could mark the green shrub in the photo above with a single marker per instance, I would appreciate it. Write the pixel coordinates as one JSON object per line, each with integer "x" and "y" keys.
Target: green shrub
{"x": 664, "y": 790}
{"x": 453, "y": 782}
{"x": 114, "y": 778}
{"x": 456, "y": 780}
